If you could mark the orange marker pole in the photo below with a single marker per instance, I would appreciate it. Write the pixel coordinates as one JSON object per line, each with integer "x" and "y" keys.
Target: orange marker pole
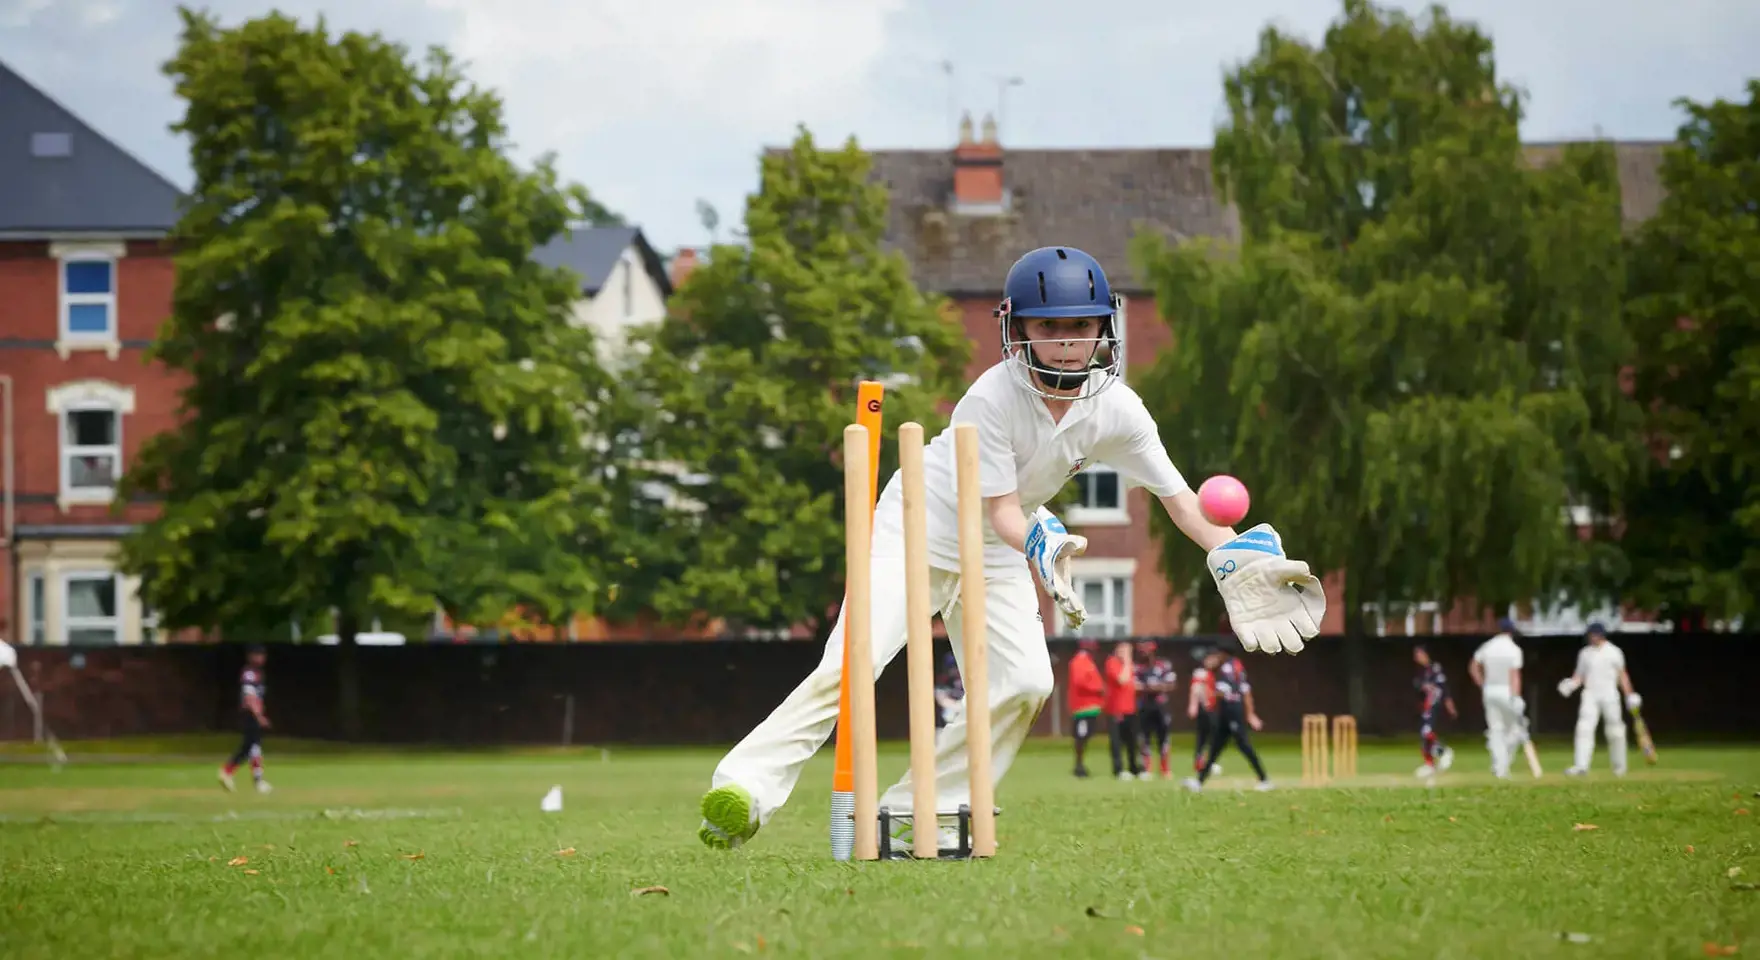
{"x": 870, "y": 396}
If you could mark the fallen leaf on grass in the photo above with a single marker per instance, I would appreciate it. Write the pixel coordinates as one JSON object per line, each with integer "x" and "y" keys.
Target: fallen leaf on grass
{"x": 1451, "y": 820}
{"x": 1719, "y": 949}
{"x": 761, "y": 943}
{"x": 1689, "y": 848}
{"x": 251, "y": 873}
{"x": 1741, "y": 811}
{"x": 238, "y": 861}
{"x": 1584, "y": 826}
{"x": 644, "y": 891}
{"x": 351, "y": 843}
{"x": 1134, "y": 930}
{"x": 1733, "y": 872}
{"x": 1387, "y": 819}
{"x": 415, "y": 856}
{"x": 565, "y": 852}
{"x": 330, "y": 870}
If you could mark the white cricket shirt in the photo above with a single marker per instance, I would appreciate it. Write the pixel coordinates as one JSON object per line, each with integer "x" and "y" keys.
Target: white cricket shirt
{"x": 1498, "y": 657}
{"x": 1600, "y": 666}
{"x": 1021, "y": 450}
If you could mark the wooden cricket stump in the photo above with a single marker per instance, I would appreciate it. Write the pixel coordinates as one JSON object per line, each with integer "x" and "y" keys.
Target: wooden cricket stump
{"x": 1315, "y": 769}
{"x": 1344, "y": 746}
{"x": 976, "y": 820}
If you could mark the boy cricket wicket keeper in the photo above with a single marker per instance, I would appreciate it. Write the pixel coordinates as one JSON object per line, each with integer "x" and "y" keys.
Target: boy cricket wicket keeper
{"x": 1055, "y": 402}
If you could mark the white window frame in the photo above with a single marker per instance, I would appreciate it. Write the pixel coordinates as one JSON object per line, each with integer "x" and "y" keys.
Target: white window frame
{"x": 1101, "y": 516}
{"x": 36, "y": 603}
{"x": 110, "y": 253}
{"x": 87, "y": 396}
{"x": 1116, "y": 574}
{"x": 70, "y": 623}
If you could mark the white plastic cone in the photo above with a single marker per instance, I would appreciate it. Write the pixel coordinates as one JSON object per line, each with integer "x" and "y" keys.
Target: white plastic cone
{"x": 552, "y": 802}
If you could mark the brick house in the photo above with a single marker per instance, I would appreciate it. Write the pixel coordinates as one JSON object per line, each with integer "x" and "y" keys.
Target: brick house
{"x": 962, "y": 217}
{"x": 85, "y": 281}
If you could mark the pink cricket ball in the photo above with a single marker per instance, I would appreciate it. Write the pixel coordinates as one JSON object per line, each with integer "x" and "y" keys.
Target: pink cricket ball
{"x": 1223, "y": 500}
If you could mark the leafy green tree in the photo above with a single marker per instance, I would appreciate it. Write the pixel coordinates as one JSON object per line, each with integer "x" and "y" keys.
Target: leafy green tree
{"x": 742, "y": 394}
{"x": 1693, "y": 529}
{"x": 1411, "y": 357}
{"x": 384, "y": 401}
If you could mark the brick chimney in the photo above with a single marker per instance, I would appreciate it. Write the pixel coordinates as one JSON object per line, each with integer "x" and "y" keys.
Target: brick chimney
{"x": 683, "y": 262}
{"x": 977, "y": 170}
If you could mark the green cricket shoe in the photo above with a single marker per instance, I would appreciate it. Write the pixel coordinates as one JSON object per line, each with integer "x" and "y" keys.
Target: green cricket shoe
{"x": 727, "y": 818}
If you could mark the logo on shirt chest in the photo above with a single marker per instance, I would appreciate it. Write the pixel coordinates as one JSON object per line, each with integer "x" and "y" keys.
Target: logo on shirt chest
{"x": 1075, "y": 467}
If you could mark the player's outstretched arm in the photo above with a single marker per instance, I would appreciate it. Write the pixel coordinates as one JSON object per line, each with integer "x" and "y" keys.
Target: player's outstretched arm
{"x": 1275, "y": 604}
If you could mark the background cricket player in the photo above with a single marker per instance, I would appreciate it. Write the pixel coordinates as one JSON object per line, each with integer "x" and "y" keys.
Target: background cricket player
{"x": 1497, "y": 669}
{"x": 1087, "y": 698}
{"x": 1155, "y": 683}
{"x": 1234, "y": 716}
{"x": 1201, "y": 707}
{"x": 252, "y": 721}
{"x": 1120, "y": 676}
{"x": 950, "y": 695}
{"x": 1432, "y": 686}
{"x": 1055, "y": 401}
{"x": 1601, "y": 675}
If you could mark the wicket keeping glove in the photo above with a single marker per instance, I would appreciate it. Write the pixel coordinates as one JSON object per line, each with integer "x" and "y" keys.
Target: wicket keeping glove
{"x": 1049, "y": 548}
{"x": 1274, "y": 603}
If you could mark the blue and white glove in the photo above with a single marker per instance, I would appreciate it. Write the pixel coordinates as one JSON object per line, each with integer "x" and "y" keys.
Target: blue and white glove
{"x": 1274, "y": 603}
{"x": 1049, "y": 547}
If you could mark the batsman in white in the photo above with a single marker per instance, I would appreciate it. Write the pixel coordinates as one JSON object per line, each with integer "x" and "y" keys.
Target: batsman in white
{"x": 1055, "y": 402}
{"x": 1497, "y": 669}
{"x": 1601, "y": 675}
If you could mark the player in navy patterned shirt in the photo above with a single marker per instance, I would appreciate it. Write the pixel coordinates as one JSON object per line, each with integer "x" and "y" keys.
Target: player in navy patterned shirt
{"x": 1432, "y": 686}
{"x": 1234, "y": 715}
{"x": 1155, "y": 681}
{"x": 252, "y": 721}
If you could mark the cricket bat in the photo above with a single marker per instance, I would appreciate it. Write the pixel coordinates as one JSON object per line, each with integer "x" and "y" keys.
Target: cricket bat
{"x": 1533, "y": 758}
{"x": 1644, "y": 742}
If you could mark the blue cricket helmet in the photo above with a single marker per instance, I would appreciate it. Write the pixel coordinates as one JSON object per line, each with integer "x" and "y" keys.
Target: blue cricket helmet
{"x": 1061, "y": 283}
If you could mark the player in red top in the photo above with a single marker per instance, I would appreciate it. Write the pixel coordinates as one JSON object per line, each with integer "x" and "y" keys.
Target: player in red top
{"x": 252, "y": 721}
{"x": 1121, "y": 711}
{"x": 1235, "y": 713}
{"x": 1087, "y": 698}
{"x": 1201, "y": 708}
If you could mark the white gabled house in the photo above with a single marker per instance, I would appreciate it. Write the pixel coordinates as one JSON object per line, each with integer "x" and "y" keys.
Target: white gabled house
{"x": 624, "y": 281}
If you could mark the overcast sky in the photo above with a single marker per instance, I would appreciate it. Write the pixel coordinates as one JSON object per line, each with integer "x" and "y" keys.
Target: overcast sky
{"x": 652, "y": 111}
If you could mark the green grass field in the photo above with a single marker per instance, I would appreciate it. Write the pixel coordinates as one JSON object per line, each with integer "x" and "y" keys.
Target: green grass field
{"x": 134, "y": 851}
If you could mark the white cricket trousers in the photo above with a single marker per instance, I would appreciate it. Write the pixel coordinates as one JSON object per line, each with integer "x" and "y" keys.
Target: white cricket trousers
{"x": 1504, "y": 728}
{"x": 1606, "y": 707}
{"x": 768, "y": 761}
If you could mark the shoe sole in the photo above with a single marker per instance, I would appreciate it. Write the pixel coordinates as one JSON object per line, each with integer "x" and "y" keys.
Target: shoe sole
{"x": 727, "y": 816}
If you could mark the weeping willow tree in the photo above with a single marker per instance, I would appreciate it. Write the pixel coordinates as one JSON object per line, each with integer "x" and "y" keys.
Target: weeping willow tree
{"x": 1412, "y": 353}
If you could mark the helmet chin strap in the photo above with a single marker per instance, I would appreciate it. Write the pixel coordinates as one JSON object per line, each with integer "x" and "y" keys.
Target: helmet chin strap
{"x": 1055, "y": 378}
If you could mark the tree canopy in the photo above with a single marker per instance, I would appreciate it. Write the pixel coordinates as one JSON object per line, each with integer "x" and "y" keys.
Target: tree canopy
{"x": 737, "y": 402}
{"x": 1411, "y": 354}
{"x": 1694, "y": 521}
{"x": 384, "y": 398}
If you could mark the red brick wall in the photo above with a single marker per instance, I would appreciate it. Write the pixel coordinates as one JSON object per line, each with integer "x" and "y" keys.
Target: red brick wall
{"x": 29, "y": 325}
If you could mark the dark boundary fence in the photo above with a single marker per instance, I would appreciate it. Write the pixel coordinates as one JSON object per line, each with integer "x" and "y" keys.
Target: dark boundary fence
{"x": 712, "y": 692}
